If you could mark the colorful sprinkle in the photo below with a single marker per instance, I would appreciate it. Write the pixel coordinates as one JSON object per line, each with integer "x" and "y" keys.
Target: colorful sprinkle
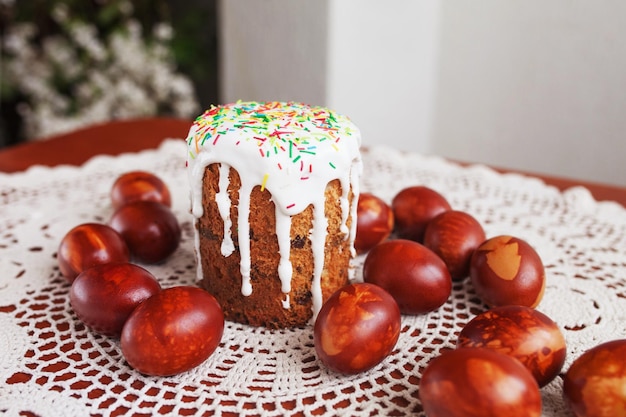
{"x": 292, "y": 129}
{"x": 265, "y": 177}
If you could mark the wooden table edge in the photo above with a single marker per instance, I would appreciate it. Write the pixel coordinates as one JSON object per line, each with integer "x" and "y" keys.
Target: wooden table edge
{"x": 117, "y": 137}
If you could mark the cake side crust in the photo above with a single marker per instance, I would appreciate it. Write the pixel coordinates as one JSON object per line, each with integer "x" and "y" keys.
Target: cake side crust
{"x": 264, "y": 306}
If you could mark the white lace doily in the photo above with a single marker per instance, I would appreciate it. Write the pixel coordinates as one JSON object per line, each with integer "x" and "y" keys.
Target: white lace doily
{"x": 50, "y": 364}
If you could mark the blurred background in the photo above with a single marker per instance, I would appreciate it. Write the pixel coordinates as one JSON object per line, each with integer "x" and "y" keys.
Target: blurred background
{"x": 70, "y": 63}
{"x": 525, "y": 85}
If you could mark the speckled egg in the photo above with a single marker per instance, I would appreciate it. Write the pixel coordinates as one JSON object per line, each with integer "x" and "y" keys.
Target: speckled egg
{"x": 595, "y": 384}
{"x": 522, "y": 333}
{"x": 506, "y": 270}
{"x": 478, "y": 382}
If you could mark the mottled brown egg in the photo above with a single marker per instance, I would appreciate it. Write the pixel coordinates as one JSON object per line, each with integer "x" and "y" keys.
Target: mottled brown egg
{"x": 150, "y": 229}
{"x": 374, "y": 222}
{"x": 413, "y": 207}
{"x": 522, "y": 333}
{"x": 103, "y": 296}
{"x": 595, "y": 384}
{"x": 478, "y": 382}
{"x": 172, "y": 331}
{"x": 356, "y": 328}
{"x": 88, "y": 245}
{"x": 454, "y": 235}
{"x": 139, "y": 186}
{"x": 413, "y": 274}
{"x": 506, "y": 270}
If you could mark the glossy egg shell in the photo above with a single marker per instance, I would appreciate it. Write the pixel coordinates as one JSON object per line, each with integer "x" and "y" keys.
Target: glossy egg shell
{"x": 506, "y": 270}
{"x": 374, "y": 222}
{"x": 173, "y": 331}
{"x": 88, "y": 245}
{"x": 478, "y": 382}
{"x": 414, "y": 275}
{"x": 522, "y": 333}
{"x": 595, "y": 383}
{"x": 454, "y": 235}
{"x": 139, "y": 186}
{"x": 413, "y": 207}
{"x": 356, "y": 328}
{"x": 103, "y": 296}
{"x": 150, "y": 230}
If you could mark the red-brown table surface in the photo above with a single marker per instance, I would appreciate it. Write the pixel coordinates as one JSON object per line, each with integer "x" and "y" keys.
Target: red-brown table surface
{"x": 119, "y": 137}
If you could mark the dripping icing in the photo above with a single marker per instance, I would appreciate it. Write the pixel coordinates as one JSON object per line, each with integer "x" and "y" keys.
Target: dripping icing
{"x": 223, "y": 204}
{"x": 243, "y": 227}
{"x": 283, "y": 234}
{"x": 318, "y": 241}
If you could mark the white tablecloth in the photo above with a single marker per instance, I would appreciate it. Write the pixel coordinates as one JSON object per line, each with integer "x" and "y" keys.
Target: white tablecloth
{"x": 50, "y": 364}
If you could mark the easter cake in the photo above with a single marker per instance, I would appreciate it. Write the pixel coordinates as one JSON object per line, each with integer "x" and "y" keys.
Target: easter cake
{"x": 274, "y": 190}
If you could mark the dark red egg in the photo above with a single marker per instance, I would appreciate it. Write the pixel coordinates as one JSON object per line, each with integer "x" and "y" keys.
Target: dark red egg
{"x": 103, "y": 296}
{"x": 522, "y": 333}
{"x": 454, "y": 235}
{"x": 374, "y": 222}
{"x": 173, "y": 331}
{"x": 150, "y": 230}
{"x": 595, "y": 383}
{"x": 413, "y": 274}
{"x": 506, "y": 270}
{"x": 356, "y": 328}
{"x": 413, "y": 208}
{"x": 139, "y": 186}
{"x": 478, "y": 382}
{"x": 88, "y": 245}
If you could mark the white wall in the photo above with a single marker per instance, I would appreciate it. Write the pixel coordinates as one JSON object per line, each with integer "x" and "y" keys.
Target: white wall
{"x": 273, "y": 50}
{"x": 532, "y": 85}
{"x": 369, "y": 59}
{"x": 382, "y": 68}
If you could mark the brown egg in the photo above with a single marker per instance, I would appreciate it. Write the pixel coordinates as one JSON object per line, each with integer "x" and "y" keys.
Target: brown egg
{"x": 454, "y": 235}
{"x": 413, "y": 274}
{"x": 139, "y": 186}
{"x": 413, "y": 208}
{"x": 356, "y": 328}
{"x": 506, "y": 270}
{"x": 172, "y": 331}
{"x": 374, "y": 222}
{"x": 88, "y": 245}
{"x": 103, "y": 296}
{"x": 478, "y": 382}
{"x": 150, "y": 229}
{"x": 522, "y": 333}
{"x": 595, "y": 384}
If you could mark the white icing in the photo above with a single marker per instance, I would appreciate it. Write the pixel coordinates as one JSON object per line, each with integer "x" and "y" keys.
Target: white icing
{"x": 344, "y": 201}
{"x": 286, "y": 302}
{"x": 243, "y": 227}
{"x": 355, "y": 176}
{"x": 223, "y": 204}
{"x": 294, "y": 151}
{"x": 285, "y": 269}
{"x": 196, "y": 242}
{"x": 318, "y": 241}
